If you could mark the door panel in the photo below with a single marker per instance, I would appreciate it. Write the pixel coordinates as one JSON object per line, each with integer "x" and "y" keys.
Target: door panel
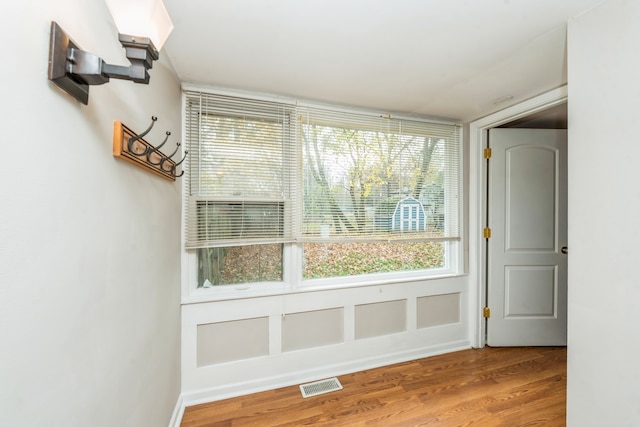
{"x": 531, "y": 291}
{"x": 530, "y": 198}
{"x": 527, "y": 272}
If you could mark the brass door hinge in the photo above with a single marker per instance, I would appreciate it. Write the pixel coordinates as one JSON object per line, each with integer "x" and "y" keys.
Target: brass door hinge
{"x": 487, "y": 153}
{"x": 486, "y": 233}
{"x": 486, "y": 312}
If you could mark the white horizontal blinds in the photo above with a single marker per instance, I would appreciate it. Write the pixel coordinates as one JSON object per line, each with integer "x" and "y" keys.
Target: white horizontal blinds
{"x": 238, "y": 180}
{"x": 438, "y": 176}
{"x": 371, "y": 178}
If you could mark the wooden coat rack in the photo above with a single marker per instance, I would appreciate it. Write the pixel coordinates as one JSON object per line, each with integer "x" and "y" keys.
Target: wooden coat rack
{"x": 129, "y": 146}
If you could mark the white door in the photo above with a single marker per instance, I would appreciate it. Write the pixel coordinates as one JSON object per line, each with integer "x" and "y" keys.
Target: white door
{"x": 527, "y": 215}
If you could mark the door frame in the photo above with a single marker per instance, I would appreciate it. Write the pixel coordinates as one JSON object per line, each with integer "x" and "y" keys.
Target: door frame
{"x": 478, "y": 131}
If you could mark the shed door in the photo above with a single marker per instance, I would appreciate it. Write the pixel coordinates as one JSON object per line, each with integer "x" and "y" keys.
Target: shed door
{"x": 409, "y": 216}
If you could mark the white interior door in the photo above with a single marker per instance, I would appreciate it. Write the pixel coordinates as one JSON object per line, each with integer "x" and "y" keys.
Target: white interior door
{"x": 527, "y": 261}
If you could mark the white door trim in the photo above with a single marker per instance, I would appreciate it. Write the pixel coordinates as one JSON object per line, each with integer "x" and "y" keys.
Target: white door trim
{"x": 477, "y": 198}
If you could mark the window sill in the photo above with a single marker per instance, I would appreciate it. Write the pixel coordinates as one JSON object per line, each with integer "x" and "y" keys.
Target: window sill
{"x": 260, "y": 290}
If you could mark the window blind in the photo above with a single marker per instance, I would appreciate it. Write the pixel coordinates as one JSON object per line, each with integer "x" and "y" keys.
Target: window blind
{"x": 268, "y": 172}
{"x": 369, "y": 177}
{"x": 238, "y": 179}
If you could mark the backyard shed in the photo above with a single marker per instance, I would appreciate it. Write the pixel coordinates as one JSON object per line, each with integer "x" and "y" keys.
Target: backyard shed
{"x": 409, "y": 216}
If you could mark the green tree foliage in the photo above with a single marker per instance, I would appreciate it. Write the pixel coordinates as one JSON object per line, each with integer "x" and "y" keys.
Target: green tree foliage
{"x": 356, "y": 169}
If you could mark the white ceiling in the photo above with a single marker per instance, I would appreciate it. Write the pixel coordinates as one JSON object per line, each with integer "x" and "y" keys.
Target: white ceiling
{"x": 438, "y": 58}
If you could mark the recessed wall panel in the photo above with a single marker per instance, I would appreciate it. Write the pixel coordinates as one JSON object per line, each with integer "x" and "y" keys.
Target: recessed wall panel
{"x": 312, "y": 329}
{"x": 233, "y": 340}
{"x": 383, "y": 318}
{"x": 438, "y": 310}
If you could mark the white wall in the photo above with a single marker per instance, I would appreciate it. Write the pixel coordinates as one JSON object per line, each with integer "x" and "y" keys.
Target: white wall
{"x": 604, "y": 217}
{"x": 89, "y": 245}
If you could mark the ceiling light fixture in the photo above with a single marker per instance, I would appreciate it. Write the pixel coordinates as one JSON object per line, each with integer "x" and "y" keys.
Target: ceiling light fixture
{"x": 74, "y": 69}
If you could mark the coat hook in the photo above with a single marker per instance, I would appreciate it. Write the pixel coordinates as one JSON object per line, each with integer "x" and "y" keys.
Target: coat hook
{"x": 173, "y": 168}
{"x": 140, "y": 136}
{"x": 174, "y": 152}
{"x": 184, "y": 157}
{"x": 148, "y": 156}
{"x": 157, "y": 150}
{"x": 168, "y": 158}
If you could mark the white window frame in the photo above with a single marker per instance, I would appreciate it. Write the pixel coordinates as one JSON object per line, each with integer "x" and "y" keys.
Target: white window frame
{"x": 293, "y": 252}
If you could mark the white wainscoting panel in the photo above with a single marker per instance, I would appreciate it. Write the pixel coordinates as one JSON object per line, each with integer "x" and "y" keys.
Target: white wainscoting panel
{"x": 318, "y": 334}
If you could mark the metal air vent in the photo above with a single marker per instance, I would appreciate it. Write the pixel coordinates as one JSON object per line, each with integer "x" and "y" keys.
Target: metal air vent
{"x": 320, "y": 387}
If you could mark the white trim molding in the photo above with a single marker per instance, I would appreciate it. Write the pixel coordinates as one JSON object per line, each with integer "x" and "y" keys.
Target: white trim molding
{"x": 178, "y": 412}
{"x": 227, "y": 391}
{"x": 477, "y": 197}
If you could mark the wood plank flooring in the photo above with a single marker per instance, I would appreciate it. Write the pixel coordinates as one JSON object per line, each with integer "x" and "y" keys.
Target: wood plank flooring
{"x": 508, "y": 387}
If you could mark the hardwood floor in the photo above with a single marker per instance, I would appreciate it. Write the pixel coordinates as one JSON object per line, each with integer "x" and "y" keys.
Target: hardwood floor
{"x": 508, "y": 387}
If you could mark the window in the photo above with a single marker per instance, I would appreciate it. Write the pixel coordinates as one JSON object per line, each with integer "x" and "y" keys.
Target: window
{"x": 374, "y": 193}
{"x": 238, "y": 195}
{"x": 278, "y": 190}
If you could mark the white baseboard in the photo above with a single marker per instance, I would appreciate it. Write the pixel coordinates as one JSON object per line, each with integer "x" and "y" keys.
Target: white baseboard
{"x": 178, "y": 412}
{"x": 293, "y": 378}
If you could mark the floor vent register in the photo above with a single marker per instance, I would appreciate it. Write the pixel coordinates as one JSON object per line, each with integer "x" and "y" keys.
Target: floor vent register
{"x": 320, "y": 387}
